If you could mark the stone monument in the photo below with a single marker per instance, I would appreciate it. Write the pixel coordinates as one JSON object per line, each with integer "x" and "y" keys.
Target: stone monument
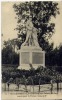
{"x": 31, "y": 55}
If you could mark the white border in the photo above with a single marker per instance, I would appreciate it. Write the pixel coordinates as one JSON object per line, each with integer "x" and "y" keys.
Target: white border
{"x": 0, "y": 28}
{"x": 27, "y": 0}
{"x": 0, "y": 50}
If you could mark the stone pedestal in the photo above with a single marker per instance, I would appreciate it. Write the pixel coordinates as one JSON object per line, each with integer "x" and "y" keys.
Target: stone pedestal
{"x": 31, "y": 56}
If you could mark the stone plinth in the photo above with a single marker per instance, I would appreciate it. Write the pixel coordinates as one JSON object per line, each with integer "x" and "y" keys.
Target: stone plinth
{"x": 31, "y": 55}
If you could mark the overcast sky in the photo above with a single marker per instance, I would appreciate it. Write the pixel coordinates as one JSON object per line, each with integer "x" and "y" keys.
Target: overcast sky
{"x": 9, "y": 23}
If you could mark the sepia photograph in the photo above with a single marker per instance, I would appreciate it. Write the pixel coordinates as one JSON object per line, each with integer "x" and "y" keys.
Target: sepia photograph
{"x": 31, "y": 48}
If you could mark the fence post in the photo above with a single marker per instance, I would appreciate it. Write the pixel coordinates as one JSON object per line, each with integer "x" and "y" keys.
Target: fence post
{"x": 32, "y": 84}
{"x": 18, "y": 85}
{"x": 33, "y": 88}
{"x": 51, "y": 86}
{"x": 57, "y": 81}
{"x": 4, "y": 83}
{"x": 17, "y": 82}
{"x": 60, "y": 82}
{"x": 26, "y": 84}
{"x": 57, "y": 86}
{"x": 39, "y": 84}
{"x": 5, "y": 86}
{"x": 8, "y": 84}
{"x": 25, "y": 81}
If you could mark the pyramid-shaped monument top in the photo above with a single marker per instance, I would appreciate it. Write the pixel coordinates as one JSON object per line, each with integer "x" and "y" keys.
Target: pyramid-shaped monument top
{"x": 31, "y": 36}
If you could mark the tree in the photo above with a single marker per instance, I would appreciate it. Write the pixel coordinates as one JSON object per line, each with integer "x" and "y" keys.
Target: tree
{"x": 54, "y": 58}
{"x": 9, "y": 56}
{"x": 60, "y": 56}
{"x": 41, "y": 13}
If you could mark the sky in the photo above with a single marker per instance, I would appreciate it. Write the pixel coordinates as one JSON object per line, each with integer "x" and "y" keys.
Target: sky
{"x": 9, "y": 23}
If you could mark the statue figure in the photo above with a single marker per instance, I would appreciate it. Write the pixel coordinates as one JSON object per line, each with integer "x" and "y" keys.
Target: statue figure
{"x": 31, "y": 36}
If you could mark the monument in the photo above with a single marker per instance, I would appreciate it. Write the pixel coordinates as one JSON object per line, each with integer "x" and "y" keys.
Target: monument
{"x": 31, "y": 55}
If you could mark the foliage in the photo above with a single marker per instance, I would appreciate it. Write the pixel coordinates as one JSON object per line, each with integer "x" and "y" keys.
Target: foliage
{"x": 54, "y": 58}
{"x": 32, "y": 77}
{"x": 9, "y": 56}
{"x": 41, "y": 13}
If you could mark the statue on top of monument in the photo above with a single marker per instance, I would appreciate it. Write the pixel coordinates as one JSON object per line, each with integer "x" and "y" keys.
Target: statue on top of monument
{"x": 31, "y": 36}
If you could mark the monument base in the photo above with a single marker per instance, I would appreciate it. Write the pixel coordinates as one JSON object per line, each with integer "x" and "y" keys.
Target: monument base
{"x": 31, "y": 57}
{"x": 28, "y": 67}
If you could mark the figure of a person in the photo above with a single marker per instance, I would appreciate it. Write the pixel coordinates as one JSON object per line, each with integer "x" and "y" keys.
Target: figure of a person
{"x": 31, "y": 33}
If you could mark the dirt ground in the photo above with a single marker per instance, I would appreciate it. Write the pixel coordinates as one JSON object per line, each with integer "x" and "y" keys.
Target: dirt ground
{"x": 43, "y": 89}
